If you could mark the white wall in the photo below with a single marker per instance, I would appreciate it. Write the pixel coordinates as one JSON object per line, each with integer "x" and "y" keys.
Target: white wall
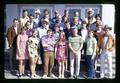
{"x": 108, "y": 15}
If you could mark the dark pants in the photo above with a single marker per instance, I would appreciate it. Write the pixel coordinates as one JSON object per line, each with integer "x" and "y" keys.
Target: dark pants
{"x": 90, "y": 66}
{"x": 12, "y": 59}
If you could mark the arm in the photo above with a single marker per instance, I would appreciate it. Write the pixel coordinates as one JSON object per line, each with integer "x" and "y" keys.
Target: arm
{"x": 81, "y": 45}
{"x": 9, "y": 37}
{"x": 56, "y": 45}
{"x": 44, "y": 44}
{"x": 18, "y": 47}
{"x": 94, "y": 49}
{"x": 71, "y": 48}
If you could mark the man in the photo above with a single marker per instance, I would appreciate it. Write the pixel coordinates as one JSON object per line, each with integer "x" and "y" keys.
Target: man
{"x": 12, "y": 34}
{"x": 37, "y": 19}
{"x": 106, "y": 45}
{"x": 90, "y": 13}
{"x": 48, "y": 43}
{"x": 76, "y": 24}
{"x": 75, "y": 45}
{"x": 43, "y": 29}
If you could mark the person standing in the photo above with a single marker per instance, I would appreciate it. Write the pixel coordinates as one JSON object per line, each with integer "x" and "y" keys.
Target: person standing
{"x": 33, "y": 50}
{"x": 91, "y": 55}
{"x": 48, "y": 43}
{"x": 24, "y": 19}
{"x": 106, "y": 45}
{"x": 75, "y": 45}
{"x": 22, "y": 52}
{"x": 61, "y": 53}
{"x": 12, "y": 34}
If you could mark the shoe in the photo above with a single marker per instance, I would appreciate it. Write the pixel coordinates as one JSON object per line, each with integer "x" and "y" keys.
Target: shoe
{"x": 44, "y": 76}
{"x": 71, "y": 77}
{"x": 59, "y": 76}
{"x": 19, "y": 76}
{"x": 62, "y": 76}
{"x": 53, "y": 76}
{"x": 32, "y": 76}
{"x": 77, "y": 77}
{"x": 23, "y": 75}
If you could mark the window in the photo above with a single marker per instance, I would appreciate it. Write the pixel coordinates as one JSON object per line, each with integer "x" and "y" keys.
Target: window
{"x": 72, "y": 10}
{"x": 31, "y": 10}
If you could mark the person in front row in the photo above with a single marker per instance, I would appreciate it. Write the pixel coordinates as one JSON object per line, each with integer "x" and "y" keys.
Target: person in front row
{"x": 22, "y": 52}
{"x": 75, "y": 45}
{"x": 91, "y": 54}
{"x": 61, "y": 53}
{"x": 106, "y": 44}
{"x": 48, "y": 43}
{"x": 33, "y": 50}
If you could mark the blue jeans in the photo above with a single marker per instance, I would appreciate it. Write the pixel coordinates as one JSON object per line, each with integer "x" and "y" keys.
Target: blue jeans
{"x": 90, "y": 67}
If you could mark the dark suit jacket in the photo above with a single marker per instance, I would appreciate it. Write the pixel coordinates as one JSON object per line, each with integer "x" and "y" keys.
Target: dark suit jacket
{"x": 12, "y": 36}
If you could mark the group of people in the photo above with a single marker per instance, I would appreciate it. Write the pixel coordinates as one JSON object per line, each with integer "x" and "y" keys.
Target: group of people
{"x": 60, "y": 40}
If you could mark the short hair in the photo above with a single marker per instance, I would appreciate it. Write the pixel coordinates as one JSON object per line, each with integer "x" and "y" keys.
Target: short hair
{"x": 15, "y": 19}
{"x": 49, "y": 30}
{"x": 98, "y": 15}
{"x": 46, "y": 10}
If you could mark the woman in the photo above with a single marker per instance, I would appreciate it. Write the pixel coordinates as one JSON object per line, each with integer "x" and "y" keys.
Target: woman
{"x": 61, "y": 53}
{"x": 28, "y": 28}
{"x": 33, "y": 47}
{"x": 22, "y": 53}
{"x": 91, "y": 54}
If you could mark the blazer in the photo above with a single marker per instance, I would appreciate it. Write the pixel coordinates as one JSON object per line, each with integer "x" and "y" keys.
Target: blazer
{"x": 110, "y": 45}
{"x": 12, "y": 36}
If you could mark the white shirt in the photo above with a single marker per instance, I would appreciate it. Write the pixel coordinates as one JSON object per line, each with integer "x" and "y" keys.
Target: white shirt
{"x": 105, "y": 41}
{"x": 41, "y": 32}
{"x": 15, "y": 29}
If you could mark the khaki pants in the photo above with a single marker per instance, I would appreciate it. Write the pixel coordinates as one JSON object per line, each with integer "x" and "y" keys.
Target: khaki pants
{"x": 48, "y": 57}
{"x": 75, "y": 59}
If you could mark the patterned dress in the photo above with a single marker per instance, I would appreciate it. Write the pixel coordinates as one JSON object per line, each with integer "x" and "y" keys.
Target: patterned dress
{"x": 33, "y": 46}
{"x": 61, "y": 54}
{"x": 23, "y": 54}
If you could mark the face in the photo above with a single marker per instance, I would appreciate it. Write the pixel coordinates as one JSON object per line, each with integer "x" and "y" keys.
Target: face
{"x": 31, "y": 18}
{"x": 98, "y": 18}
{"x": 84, "y": 25}
{"x": 90, "y": 13}
{"x": 37, "y": 14}
{"x": 89, "y": 21}
{"x": 67, "y": 25}
{"x": 24, "y": 32}
{"x": 15, "y": 23}
{"x": 75, "y": 20}
{"x": 28, "y": 25}
{"x": 25, "y": 14}
{"x": 90, "y": 34}
{"x": 45, "y": 24}
{"x": 35, "y": 33}
{"x": 77, "y": 14}
{"x": 75, "y": 31}
{"x": 50, "y": 33}
{"x": 107, "y": 32}
{"x": 57, "y": 29}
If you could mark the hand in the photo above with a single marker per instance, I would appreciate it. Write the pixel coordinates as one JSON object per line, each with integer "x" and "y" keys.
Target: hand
{"x": 93, "y": 57}
{"x": 10, "y": 45}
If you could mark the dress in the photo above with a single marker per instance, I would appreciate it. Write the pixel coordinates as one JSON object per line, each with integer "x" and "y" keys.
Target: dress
{"x": 21, "y": 40}
{"x": 61, "y": 52}
{"x": 33, "y": 46}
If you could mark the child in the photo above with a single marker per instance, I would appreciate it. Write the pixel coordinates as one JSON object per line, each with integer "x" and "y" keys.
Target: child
{"x": 61, "y": 53}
